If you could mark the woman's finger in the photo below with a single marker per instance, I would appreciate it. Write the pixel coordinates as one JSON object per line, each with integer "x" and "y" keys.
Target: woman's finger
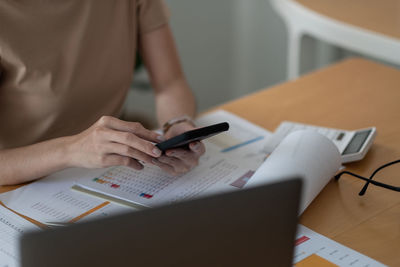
{"x": 178, "y": 165}
{"x": 118, "y": 160}
{"x": 131, "y": 140}
{"x": 130, "y": 127}
{"x": 128, "y": 151}
{"x": 190, "y": 158}
{"x": 198, "y": 148}
{"x": 165, "y": 167}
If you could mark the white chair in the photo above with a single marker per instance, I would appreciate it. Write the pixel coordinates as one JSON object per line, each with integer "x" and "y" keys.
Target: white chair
{"x": 301, "y": 20}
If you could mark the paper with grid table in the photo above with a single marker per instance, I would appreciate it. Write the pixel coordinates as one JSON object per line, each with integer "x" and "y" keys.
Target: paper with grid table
{"x": 230, "y": 160}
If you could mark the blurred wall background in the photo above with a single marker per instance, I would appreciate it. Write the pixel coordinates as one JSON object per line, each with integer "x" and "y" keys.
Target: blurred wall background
{"x": 229, "y": 48}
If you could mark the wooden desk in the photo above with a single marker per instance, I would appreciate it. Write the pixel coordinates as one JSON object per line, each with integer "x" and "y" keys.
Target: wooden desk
{"x": 381, "y": 16}
{"x": 350, "y": 95}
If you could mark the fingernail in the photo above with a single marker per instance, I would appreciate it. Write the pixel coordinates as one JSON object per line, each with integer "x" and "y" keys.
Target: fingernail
{"x": 196, "y": 146}
{"x": 160, "y": 138}
{"x": 140, "y": 167}
{"x": 156, "y": 152}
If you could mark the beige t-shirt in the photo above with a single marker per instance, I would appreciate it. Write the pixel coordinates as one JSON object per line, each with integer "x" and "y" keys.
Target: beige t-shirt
{"x": 64, "y": 64}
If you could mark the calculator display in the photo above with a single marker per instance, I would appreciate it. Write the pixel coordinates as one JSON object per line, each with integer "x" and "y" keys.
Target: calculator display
{"x": 356, "y": 142}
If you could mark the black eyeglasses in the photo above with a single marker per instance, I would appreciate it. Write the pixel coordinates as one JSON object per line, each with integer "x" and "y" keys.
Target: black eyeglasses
{"x": 369, "y": 180}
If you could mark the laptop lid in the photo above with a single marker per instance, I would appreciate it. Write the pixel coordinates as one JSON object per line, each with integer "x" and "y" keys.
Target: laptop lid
{"x": 249, "y": 227}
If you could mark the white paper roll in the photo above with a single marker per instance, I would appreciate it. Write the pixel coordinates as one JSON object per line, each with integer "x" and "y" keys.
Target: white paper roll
{"x": 306, "y": 154}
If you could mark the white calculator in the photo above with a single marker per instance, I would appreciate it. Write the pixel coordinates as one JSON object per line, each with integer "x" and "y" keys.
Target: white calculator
{"x": 352, "y": 145}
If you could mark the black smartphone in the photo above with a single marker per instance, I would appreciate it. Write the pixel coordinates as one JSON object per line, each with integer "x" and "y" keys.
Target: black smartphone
{"x": 183, "y": 140}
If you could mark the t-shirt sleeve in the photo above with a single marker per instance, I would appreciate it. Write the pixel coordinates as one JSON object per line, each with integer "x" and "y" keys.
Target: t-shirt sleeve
{"x": 152, "y": 14}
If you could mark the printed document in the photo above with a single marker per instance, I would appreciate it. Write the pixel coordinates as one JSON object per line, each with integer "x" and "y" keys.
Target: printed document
{"x": 52, "y": 200}
{"x": 303, "y": 153}
{"x": 12, "y": 226}
{"x": 231, "y": 159}
{"x": 313, "y": 249}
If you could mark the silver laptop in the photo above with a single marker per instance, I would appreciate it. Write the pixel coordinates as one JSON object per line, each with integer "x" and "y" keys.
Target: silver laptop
{"x": 250, "y": 227}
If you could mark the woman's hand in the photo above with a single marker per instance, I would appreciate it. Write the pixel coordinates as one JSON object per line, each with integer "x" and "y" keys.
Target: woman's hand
{"x": 111, "y": 142}
{"x": 179, "y": 161}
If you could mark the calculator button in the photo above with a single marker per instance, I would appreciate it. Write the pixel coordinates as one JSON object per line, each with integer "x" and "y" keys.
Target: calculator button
{"x": 340, "y": 136}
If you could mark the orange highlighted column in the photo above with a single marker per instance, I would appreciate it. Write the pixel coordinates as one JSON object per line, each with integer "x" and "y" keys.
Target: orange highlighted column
{"x": 315, "y": 261}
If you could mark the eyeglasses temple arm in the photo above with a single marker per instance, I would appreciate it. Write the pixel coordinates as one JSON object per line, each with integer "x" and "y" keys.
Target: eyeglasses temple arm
{"x": 364, "y": 189}
{"x": 394, "y": 188}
